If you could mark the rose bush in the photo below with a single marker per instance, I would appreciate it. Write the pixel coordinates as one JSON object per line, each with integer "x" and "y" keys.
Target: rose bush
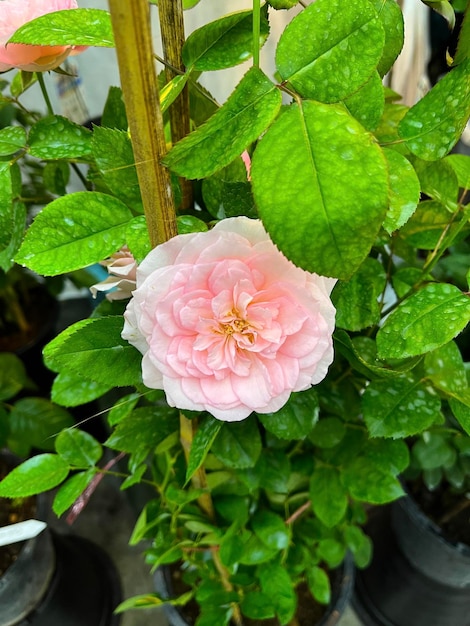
{"x": 30, "y": 58}
{"x": 227, "y": 324}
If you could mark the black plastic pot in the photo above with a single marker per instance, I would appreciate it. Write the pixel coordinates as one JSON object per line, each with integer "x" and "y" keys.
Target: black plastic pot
{"x": 60, "y": 580}
{"x": 417, "y": 577}
{"x": 342, "y": 588}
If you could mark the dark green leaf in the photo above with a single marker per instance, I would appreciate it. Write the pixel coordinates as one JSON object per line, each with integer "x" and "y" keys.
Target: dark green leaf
{"x": 438, "y": 181}
{"x": 36, "y": 422}
{"x": 276, "y": 583}
{"x": 297, "y": 195}
{"x": 446, "y": 369}
{"x": 400, "y": 407}
{"x": 359, "y": 544}
{"x": 432, "y": 450}
{"x": 296, "y": 418}
{"x": 271, "y": 529}
{"x": 257, "y": 605}
{"x": 425, "y": 227}
{"x": 460, "y": 163}
{"x": 328, "y": 432}
{"x": 13, "y": 375}
{"x": 207, "y": 431}
{"x": 145, "y": 428}
{"x": 224, "y": 43}
{"x": 238, "y": 444}
{"x": 366, "y": 482}
{"x": 328, "y": 496}
{"x": 114, "y": 112}
{"x": 6, "y": 206}
{"x": 249, "y": 110}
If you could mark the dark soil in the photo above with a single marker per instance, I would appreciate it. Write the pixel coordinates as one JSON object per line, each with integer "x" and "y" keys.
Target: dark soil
{"x": 450, "y": 511}
{"x": 12, "y": 511}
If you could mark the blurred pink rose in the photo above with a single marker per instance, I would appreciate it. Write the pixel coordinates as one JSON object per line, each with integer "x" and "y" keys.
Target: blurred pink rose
{"x": 122, "y": 268}
{"x": 15, "y": 13}
{"x": 227, "y": 324}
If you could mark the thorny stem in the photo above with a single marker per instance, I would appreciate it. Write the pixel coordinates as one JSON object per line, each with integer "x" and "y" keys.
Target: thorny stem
{"x": 131, "y": 24}
{"x": 172, "y": 31}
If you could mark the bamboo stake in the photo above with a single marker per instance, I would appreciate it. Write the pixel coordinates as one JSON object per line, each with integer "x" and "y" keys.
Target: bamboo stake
{"x": 172, "y": 31}
{"x": 131, "y": 26}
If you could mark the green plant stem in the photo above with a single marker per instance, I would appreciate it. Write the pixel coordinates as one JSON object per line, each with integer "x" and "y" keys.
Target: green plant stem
{"x": 199, "y": 481}
{"x": 172, "y": 31}
{"x": 45, "y": 95}
{"x": 256, "y": 31}
{"x": 131, "y": 24}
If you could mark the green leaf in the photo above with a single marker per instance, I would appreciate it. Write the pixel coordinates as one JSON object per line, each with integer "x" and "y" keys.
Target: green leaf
{"x": 297, "y": 196}
{"x": 404, "y": 190}
{"x": 460, "y": 163}
{"x": 438, "y": 181}
{"x": 172, "y": 90}
{"x": 327, "y": 59}
{"x": 444, "y": 8}
{"x": 390, "y": 15}
{"x": 36, "y": 422}
{"x": 296, "y": 418}
{"x": 388, "y": 455}
{"x": 114, "y": 112}
{"x": 225, "y": 42}
{"x": 114, "y": 158}
{"x": 399, "y": 408}
{"x": 328, "y": 432}
{"x": 432, "y": 451}
{"x": 12, "y": 139}
{"x": 238, "y": 444}
{"x": 423, "y": 322}
{"x": 56, "y": 137}
{"x": 328, "y": 496}
{"x": 367, "y": 103}
{"x": 6, "y": 205}
{"x": 56, "y": 175}
{"x": 331, "y": 551}
{"x": 461, "y": 410}
{"x": 72, "y": 488}
{"x": 253, "y": 551}
{"x": 15, "y": 228}
{"x": 74, "y": 231}
{"x": 143, "y": 429}
{"x": 123, "y": 408}
{"x": 227, "y": 193}
{"x": 384, "y": 487}
{"x": 257, "y": 605}
{"x": 446, "y": 369}
{"x": 463, "y": 46}
{"x": 248, "y": 111}
{"x": 13, "y": 375}
{"x": 78, "y": 448}
{"x": 359, "y": 544}
{"x": 356, "y": 300}
{"x": 207, "y": 431}
{"x": 425, "y": 227}
{"x": 95, "y": 346}
{"x": 37, "y": 474}
{"x": 434, "y": 125}
{"x": 276, "y": 583}
{"x": 72, "y": 389}
{"x": 152, "y": 600}
{"x": 319, "y": 584}
{"x": 271, "y": 529}
{"x": 77, "y": 27}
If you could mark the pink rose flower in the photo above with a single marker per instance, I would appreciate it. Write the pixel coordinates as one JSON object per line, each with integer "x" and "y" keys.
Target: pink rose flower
{"x": 227, "y": 324}
{"x": 122, "y": 268}
{"x": 15, "y": 13}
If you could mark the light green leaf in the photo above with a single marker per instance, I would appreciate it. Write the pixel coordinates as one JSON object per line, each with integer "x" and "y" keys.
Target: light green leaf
{"x": 276, "y": 583}
{"x": 460, "y": 163}
{"x": 72, "y": 389}
{"x": 16, "y": 232}
{"x": 152, "y": 600}
{"x": 367, "y": 104}
{"x": 359, "y": 544}
{"x": 72, "y": 488}
{"x": 206, "y": 433}
{"x": 271, "y": 529}
{"x": 438, "y": 181}
{"x": 12, "y": 139}
{"x": 56, "y": 137}
{"x": 225, "y": 42}
{"x": 463, "y": 46}
{"x": 404, "y": 190}
{"x": 75, "y": 27}
{"x": 426, "y": 320}
{"x": 172, "y": 90}
{"x": 390, "y": 15}
{"x": 74, "y": 231}
{"x": 37, "y": 474}
{"x": 95, "y": 346}
{"x": 461, "y": 409}
{"x": 433, "y": 126}
{"x": 328, "y": 496}
{"x": 6, "y": 205}
{"x": 399, "y": 408}
{"x": 78, "y": 448}
{"x": 144, "y": 429}
{"x": 444, "y": 8}
{"x": 425, "y": 227}
{"x": 298, "y": 198}
{"x": 446, "y": 369}
{"x": 328, "y": 59}
{"x": 319, "y": 584}
{"x": 249, "y": 110}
